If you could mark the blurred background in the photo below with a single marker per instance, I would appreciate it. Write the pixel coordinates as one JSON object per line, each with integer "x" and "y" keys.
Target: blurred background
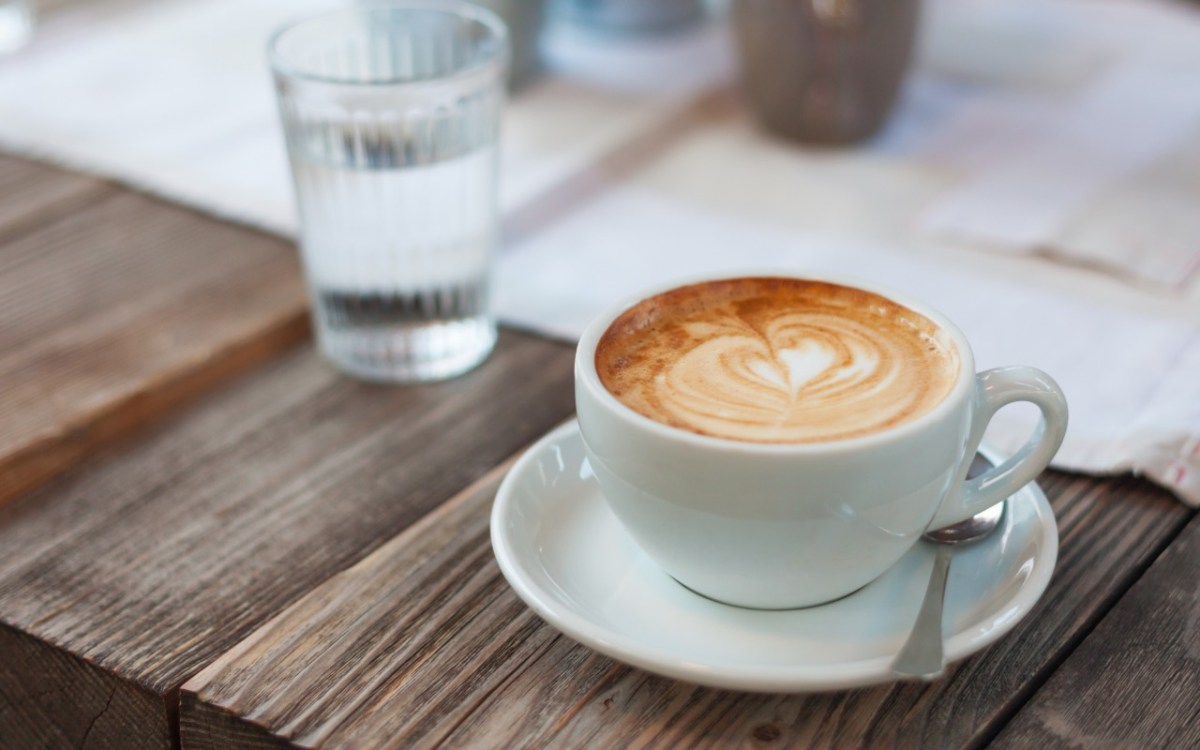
{"x": 1031, "y": 167}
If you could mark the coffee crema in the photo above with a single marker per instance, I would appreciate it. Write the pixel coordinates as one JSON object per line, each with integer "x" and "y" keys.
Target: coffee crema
{"x": 776, "y": 360}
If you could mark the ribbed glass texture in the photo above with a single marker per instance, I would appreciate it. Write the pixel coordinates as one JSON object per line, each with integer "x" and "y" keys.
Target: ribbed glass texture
{"x": 391, "y": 113}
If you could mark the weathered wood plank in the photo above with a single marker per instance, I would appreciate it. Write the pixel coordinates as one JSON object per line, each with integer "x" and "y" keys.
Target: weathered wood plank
{"x": 426, "y": 602}
{"x": 32, "y": 195}
{"x": 1134, "y": 683}
{"x": 422, "y": 644}
{"x": 150, "y": 562}
{"x": 113, "y": 311}
{"x": 93, "y": 714}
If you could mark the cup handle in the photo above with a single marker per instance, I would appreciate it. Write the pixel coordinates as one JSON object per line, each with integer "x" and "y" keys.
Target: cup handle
{"x": 993, "y": 390}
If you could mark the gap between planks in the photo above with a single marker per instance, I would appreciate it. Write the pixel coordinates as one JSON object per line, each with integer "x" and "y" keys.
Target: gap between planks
{"x": 529, "y": 667}
{"x": 416, "y": 529}
{"x": 1132, "y": 685}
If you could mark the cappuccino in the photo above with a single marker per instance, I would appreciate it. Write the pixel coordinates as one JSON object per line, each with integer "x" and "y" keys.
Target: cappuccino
{"x": 776, "y": 360}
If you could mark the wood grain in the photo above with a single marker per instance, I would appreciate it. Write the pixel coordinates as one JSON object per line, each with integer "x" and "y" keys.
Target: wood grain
{"x": 117, "y": 308}
{"x": 409, "y": 636}
{"x": 1134, "y": 683}
{"x": 150, "y": 562}
{"x": 32, "y": 195}
{"x": 422, "y": 644}
{"x": 36, "y": 713}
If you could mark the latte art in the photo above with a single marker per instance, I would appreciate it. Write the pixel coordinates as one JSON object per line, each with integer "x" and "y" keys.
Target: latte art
{"x": 776, "y": 360}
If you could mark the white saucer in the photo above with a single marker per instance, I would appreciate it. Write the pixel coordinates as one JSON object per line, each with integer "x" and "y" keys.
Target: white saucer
{"x": 568, "y": 557}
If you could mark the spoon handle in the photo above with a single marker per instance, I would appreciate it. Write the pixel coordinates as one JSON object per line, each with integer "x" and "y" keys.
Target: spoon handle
{"x": 922, "y": 653}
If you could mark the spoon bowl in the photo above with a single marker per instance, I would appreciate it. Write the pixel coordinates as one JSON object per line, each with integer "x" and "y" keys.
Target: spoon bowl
{"x": 971, "y": 530}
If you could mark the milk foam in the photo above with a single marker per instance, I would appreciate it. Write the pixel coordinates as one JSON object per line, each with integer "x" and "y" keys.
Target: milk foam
{"x": 776, "y": 360}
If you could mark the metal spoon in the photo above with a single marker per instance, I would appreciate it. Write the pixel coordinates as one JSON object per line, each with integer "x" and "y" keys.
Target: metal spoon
{"x": 922, "y": 653}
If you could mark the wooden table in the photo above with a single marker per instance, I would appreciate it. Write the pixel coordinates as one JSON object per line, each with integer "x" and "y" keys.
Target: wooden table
{"x": 209, "y": 539}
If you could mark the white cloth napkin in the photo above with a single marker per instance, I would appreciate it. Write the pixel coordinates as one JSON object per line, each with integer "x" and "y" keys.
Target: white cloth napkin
{"x": 614, "y": 179}
{"x": 176, "y": 98}
{"x": 1074, "y": 131}
{"x": 1132, "y": 378}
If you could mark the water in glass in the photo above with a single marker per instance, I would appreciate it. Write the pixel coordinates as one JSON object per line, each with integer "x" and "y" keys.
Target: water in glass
{"x": 391, "y": 114}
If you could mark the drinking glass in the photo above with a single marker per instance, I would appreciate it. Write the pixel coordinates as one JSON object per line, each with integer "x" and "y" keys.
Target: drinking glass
{"x": 824, "y": 71}
{"x": 524, "y": 20}
{"x": 391, "y": 114}
{"x": 632, "y": 16}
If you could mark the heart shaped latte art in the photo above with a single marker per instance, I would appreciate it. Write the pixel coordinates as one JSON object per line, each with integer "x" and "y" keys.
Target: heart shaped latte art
{"x": 791, "y": 367}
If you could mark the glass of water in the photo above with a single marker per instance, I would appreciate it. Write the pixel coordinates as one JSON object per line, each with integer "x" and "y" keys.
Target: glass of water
{"x": 391, "y": 113}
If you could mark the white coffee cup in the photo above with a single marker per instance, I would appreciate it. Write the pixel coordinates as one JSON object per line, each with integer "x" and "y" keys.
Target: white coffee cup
{"x": 778, "y": 526}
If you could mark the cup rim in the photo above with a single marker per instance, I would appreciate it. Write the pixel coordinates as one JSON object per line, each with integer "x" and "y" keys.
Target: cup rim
{"x": 586, "y": 375}
{"x": 458, "y": 8}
